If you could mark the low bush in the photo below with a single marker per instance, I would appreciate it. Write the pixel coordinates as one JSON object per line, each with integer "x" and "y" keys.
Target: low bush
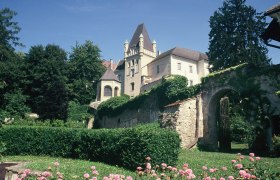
{"x": 124, "y": 147}
{"x": 276, "y": 146}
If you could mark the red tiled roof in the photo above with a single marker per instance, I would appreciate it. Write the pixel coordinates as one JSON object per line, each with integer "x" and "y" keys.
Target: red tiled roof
{"x": 108, "y": 64}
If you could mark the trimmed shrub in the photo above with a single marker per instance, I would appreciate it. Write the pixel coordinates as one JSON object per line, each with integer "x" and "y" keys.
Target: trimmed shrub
{"x": 149, "y": 140}
{"x": 123, "y": 147}
{"x": 48, "y": 123}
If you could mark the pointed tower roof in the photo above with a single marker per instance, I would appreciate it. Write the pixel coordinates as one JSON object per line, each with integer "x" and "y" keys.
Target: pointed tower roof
{"x": 109, "y": 75}
{"x": 141, "y": 29}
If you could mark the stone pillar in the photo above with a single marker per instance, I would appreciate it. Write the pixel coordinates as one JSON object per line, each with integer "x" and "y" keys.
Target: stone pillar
{"x": 224, "y": 126}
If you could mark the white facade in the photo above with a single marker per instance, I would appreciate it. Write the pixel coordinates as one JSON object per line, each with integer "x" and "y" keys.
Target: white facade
{"x": 142, "y": 67}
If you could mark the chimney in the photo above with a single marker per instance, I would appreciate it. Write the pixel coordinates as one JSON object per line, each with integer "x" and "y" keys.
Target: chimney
{"x": 111, "y": 64}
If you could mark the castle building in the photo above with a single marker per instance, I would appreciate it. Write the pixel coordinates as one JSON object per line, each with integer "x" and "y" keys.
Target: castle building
{"x": 142, "y": 67}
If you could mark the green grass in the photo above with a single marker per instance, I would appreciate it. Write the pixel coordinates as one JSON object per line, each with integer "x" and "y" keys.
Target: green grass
{"x": 196, "y": 159}
{"x": 69, "y": 167}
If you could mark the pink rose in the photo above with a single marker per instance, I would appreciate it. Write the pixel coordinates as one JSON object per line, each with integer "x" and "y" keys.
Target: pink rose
{"x": 148, "y": 166}
{"x": 189, "y": 171}
{"x": 129, "y": 178}
{"x": 163, "y": 165}
{"x": 252, "y": 154}
{"x": 86, "y": 175}
{"x": 204, "y": 168}
{"x": 258, "y": 158}
{"x": 230, "y": 178}
{"x": 242, "y": 173}
{"x": 139, "y": 168}
{"x": 222, "y": 178}
{"x": 94, "y": 172}
{"x": 224, "y": 168}
{"x": 247, "y": 175}
{"x": 238, "y": 166}
{"x": 27, "y": 171}
{"x": 93, "y": 168}
{"x": 56, "y": 164}
{"x": 233, "y": 161}
{"x": 185, "y": 166}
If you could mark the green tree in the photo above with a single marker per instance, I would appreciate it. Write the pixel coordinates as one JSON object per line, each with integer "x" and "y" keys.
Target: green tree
{"x": 85, "y": 69}
{"x": 13, "y": 77}
{"x": 8, "y": 34}
{"x": 15, "y": 104}
{"x": 235, "y": 36}
{"x": 47, "y": 72}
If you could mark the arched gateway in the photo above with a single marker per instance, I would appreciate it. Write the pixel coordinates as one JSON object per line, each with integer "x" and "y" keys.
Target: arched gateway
{"x": 257, "y": 85}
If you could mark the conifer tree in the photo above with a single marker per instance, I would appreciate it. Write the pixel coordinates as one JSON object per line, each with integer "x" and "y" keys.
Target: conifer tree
{"x": 235, "y": 36}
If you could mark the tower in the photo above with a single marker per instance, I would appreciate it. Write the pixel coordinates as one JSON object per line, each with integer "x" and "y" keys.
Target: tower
{"x": 137, "y": 54}
{"x": 108, "y": 86}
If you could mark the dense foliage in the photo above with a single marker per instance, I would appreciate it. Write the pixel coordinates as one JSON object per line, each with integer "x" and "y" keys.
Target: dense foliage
{"x": 44, "y": 80}
{"x": 124, "y": 147}
{"x": 47, "y": 73}
{"x": 85, "y": 69}
{"x": 171, "y": 89}
{"x": 235, "y": 36}
{"x": 78, "y": 112}
{"x": 8, "y": 34}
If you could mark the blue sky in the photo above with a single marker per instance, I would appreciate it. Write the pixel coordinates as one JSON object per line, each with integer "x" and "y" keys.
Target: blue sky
{"x": 108, "y": 23}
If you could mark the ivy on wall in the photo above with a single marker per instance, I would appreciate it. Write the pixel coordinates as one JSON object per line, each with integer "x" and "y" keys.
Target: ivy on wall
{"x": 246, "y": 80}
{"x": 171, "y": 89}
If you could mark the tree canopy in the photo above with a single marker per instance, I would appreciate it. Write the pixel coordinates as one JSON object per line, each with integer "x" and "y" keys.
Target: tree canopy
{"x": 235, "y": 36}
{"x": 47, "y": 73}
{"x": 8, "y": 34}
{"x": 85, "y": 69}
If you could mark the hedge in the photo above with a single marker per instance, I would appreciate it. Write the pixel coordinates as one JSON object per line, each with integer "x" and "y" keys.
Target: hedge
{"x": 124, "y": 147}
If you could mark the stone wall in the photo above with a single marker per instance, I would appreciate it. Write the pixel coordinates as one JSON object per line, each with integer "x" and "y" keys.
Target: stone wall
{"x": 147, "y": 112}
{"x": 186, "y": 118}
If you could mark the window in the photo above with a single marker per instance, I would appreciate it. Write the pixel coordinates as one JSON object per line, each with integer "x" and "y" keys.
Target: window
{"x": 191, "y": 70}
{"x": 191, "y": 82}
{"x": 132, "y": 86}
{"x": 108, "y": 91}
{"x": 179, "y": 66}
{"x": 116, "y": 91}
{"x": 132, "y": 72}
{"x": 157, "y": 69}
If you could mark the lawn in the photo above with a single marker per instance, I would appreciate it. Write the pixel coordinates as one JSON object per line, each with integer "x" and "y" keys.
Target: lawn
{"x": 74, "y": 169}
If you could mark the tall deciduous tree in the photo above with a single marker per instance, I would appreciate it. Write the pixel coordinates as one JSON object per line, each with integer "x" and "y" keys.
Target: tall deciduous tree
{"x": 235, "y": 36}
{"x": 47, "y": 72}
{"x": 85, "y": 69}
{"x": 8, "y": 34}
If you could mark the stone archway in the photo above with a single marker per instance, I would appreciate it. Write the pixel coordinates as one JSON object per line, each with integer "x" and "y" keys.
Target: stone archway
{"x": 216, "y": 120}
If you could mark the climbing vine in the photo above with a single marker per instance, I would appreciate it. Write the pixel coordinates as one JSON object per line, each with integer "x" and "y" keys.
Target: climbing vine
{"x": 248, "y": 81}
{"x": 171, "y": 89}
